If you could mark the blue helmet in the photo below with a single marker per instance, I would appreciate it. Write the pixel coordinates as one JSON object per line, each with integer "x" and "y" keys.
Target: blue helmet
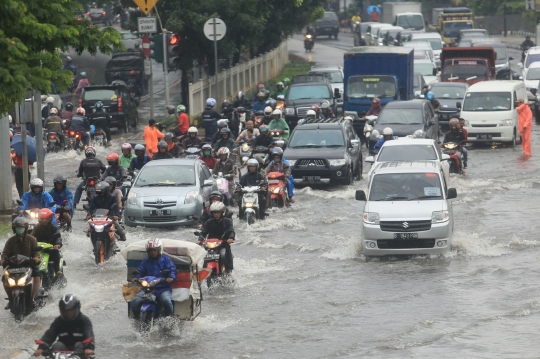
{"x": 83, "y": 74}
{"x": 210, "y": 102}
{"x": 430, "y": 96}
{"x": 98, "y": 105}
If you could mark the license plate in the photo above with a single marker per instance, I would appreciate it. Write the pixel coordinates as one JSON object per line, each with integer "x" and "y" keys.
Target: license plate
{"x": 18, "y": 270}
{"x": 484, "y": 137}
{"x": 405, "y": 235}
{"x": 212, "y": 256}
{"x": 312, "y": 178}
{"x": 160, "y": 212}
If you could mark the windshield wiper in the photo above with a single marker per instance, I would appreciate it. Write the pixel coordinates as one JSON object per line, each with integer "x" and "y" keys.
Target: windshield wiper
{"x": 333, "y": 146}
{"x": 424, "y": 197}
{"x": 149, "y": 185}
{"x": 391, "y": 198}
{"x": 306, "y": 146}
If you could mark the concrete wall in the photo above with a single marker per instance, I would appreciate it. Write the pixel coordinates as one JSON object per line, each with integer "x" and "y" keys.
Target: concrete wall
{"x": 495, "y": 24}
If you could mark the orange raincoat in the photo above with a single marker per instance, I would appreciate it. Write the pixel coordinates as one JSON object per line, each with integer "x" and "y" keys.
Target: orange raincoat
{"x": 525, "y": 127}
{"x": 151, "y": 138}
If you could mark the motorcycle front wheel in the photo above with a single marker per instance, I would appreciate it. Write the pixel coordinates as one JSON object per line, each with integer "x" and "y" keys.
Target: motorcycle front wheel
{"x": 146, "y": 322}
{"x": 99, "y": 252}
{"x": 250, "y": 218}
{"x": 18, "y": 308}
{"x": 210, "y": 279}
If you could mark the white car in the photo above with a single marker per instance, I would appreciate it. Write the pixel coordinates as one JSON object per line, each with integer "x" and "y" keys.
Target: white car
{"x": 533, "y": 55}
{"x": 532, "y": 76}
{"x": 333, "y": 73}
{"x": 428, "y": 69}
{"x": 433, "y": 38}
{"x": 410, "y": 149}
{"x": 423, "y": 46}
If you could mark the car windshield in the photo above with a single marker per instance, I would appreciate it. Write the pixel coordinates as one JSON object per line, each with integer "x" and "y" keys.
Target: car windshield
{"x": 330, "y": 16}
{"x": 487, "y": 101}
{"x": 448, "y": 92}
{"x": 424, "y": 69}
{"x": 416, "y": 82}
{"x": 405, "y": 187}
{"x": 435, "y": 43}
{"x": 407, "y": 153}
{"x": 532, "y": 58}
{"x": 533, "y": 74}
{"x": 465, "y": 69}
{"x": 96, "y": 11}
{"x": 316, "y": 138}
{"x": 333, "y": 76}
{"x": 99, "y": 94}
{"x": 401, "y": 116}
{"x": 415, "y": 22}
{"x": 371, "y": 87}
{"x": 501, "y": 54}
{"x": 166, "y": 176}
{"x": 308, "y": 92}
{"x": 451, "y": 29}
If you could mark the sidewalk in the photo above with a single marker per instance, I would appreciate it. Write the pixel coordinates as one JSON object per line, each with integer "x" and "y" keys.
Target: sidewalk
{"x": 511, "y": 41}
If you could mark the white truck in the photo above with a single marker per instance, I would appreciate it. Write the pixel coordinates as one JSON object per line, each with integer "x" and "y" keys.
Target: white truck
{"x": 408, "y": 15}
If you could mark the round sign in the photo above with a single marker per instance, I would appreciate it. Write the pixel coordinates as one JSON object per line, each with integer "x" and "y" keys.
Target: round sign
{"x": 215, "y": 29}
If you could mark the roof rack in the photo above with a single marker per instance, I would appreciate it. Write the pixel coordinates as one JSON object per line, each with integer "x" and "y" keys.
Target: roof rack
{"x": 322, "y": 120}
{"x": 309, "y": 78}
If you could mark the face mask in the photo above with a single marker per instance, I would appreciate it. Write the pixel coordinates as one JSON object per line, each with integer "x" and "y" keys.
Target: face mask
{"x": 206, "y": 153}
{"x": 20, "y": 230}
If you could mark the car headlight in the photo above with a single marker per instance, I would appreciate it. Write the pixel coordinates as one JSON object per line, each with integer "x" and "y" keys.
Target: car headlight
{"x": 132, "y": 198}
{"x": 249, "y": 204}
{"x": 291, "y": 162}
{"x": 289, "y": 110}
{"x": 466, "y": 123}
{"x": 11, "y": 282}
{"x": 371, "y": 217}
{"x": 99, "y": 228}
{"x": 439, "y": 216}
{"x": 505, "y": 123}
{"x": 339, "y": 162}
{"x": 191, "y": 197}
{"x": 22, "y": 281}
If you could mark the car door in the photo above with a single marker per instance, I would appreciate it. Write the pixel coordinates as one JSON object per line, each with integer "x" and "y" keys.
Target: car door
{"x": 354, "y": 151}
{"x": 429, "y": 128}
{"x": 204, "y": 174}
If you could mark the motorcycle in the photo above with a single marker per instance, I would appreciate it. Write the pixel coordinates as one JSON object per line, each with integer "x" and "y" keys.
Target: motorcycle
{"x": 214, "y": 259}
{"x": 99, "y": 138}
{"x": 193, "y": 152}
{"x": 524, "y": 53}
{"x": 150, "y": 308}
{"x": 19, "y": 282}
{"x": 258, "y": 119}
{"x": 102, "y": 233}
{"x": 368, "y": 127}
{"x": 222, "y": 183}
{"x": 53, "y": 142}
{"x": 74, "y": 140}
{"x": 250, "y": 203}
{"x": 245, "y": 152}
{"x": 46, "y": 268}
{"x": 278, "y": 189}
{"x": 57, "y": 354}
{"x": 309, "y": 42}
{"x": 276, "y": 134}
{"x": 456, "y": 160}
{"x": 60, "y": 221}
{"x": 90, "y": 188}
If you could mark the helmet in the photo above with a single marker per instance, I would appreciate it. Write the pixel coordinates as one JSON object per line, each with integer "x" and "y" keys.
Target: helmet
{"x": 261, "y": 95}
{"x": 193, "y": 129}
{"x": 36, "y": 182}
{"x": 271, "y": 103}
{"x": 263, "y": 128}
{"x": 260, "y": 86}
{"x": 19, "y": 222}
{"x": 387, "y": 131}
{"x": 206, "y": 146}
{"x": 240, "y": 109}
{"x": 45, "y": 213}
{"x": 170, "y": 109}
{"x": 102, "y": 188}
{"x": 280, "y": 84}
{"x": 162, "y": 144}
{"x": 98, "y": 105}
{"x": 277, "y": 113}
{"x": 140, "y": 147}
{"x": 69, "y": 302}
{"x": 376, "y": 100}
{"x": 154, "y": 243}
{"x": 315, "y": 107}
{"x": 239, "y": 95}
{"x": 225, "y": 104}
{"x": 81, "y": 111}
{"x": 210, "y": 102}
{"x": 83, "y": 74}
{"x": 277, "y": 151}
{"x": 126, "y": 146}
{"x": 268, "y": 110}
{"x": 286, "y": 81}
{"x": 69, "y": 106}
{"x": 223, "y": 123}
{"x": 69, "y": 59}
{"x": 181, "y": 108}
{"x": 169, "y": 136}
{"x": 90, "y": 151}
{"x": 50, "y": 100}
{"x": 133, "y": 73}
{"x": 110, "y": 180}
{"x": 217, "y": 207}
{"x": 325, "y": 105}
{"x": 53, "y": 111}
{"x": 60, "y": 179}
{"x": 216, "y": 194}
{"x": 223, "y": 151}
{"x": 453, "y": 122}
{"x": 225, "y": 131}
{"x": 311, "y": 113}
{"x": 252, "y": 162}
{"x": 430, "y": 96}
{"x": 113, "y": 157}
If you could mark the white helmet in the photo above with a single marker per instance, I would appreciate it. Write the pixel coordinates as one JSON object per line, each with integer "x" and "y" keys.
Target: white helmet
{"x": 50, "y": 100}
{"x": 192, "y": 129}
{"x": 81, "y": 111}
{"x": 311, "y": 113}
{"x": 223, "y": 122}
{"x": 36, "y": 182}
{"x": 252, "y": 162}
{"x": 154, "y": 243}
{"x": 217, "y": 207}
{"x": 10, "y": 119}
{"x": 268, "y": 110}
{"x": 223, "y": 151}
{"x": 387, "y": 132}
{"x": 277, "y": 112}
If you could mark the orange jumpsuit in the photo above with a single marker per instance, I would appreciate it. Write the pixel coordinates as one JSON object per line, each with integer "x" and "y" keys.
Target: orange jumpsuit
{"x": 151, "y": 138}
{"x": 525, "y": 127}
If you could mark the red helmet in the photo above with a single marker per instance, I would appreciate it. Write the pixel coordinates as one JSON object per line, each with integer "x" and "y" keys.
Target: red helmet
{"x": 45, "y": 213}
{"x": 133, "y": 73}
{"x": 315, "y": 108}
{"x": 113, "y": 157}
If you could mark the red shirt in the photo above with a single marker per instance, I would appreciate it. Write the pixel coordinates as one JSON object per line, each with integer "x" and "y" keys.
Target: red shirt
{"x": 183, "y": 120}
{"x": 210, "y": 161}
{"x": 374, "y": 15}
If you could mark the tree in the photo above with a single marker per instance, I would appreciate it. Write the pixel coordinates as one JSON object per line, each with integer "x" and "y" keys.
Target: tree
{"x": 32, "y": 34}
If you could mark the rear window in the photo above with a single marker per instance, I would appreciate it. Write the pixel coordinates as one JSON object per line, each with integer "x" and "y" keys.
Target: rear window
{"x": 101, "y": 94}
{"x": 408, "y": 153}
{"x": 96, "y": 11}
{"x": 330, "y": 16}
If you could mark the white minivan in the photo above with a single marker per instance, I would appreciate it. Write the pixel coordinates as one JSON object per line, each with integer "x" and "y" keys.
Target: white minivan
{"x": 489, "y": 110}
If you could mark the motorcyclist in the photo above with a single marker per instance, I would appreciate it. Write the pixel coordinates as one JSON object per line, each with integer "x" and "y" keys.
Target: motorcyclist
{"x": 278, "y": 164}
{"x": 267, "y": 115}
{"x": 249, "y": 125}
{"x": 388, "y": 135}
{"x": 46, "y": 232}
{"x": 215, "y": 196}
{"x": 210, "y": 118}
{"x": 83, "y": 82}
{"x": 280, "y": 90}
{"x": 317, "y": 110}
{"x": 254, "y": 178}
{"x": 140, "y": 159}
{"x": 286, "y": 82}
{"x": 89, "y": 167}
{"x": 326, "y": 111}
{"x": 225, "y": 141}
{"x": 24, "y": 244}
{"x": 526, "y": 45}
{"x": 171, "y": 122}
{"x": 115, "y": 191}
{"x": 105, "y": 200}
{"x": 455, "y": 135}
{"x": 226, "y": 166}
{"x": 126, "y": 157}
{"x": 133, "y": 82}
{"x": 260, "y": 88}
{"x": 154, "y": 265}
{"x": 264, "y": 139}
{"x": 61, "y": 193}
{"x": 67, "y": 114}
{"x": 192, "y": 140}
{"x": 260, "y": 103}
{"x": 80, "y": 123}
{"x": 465, "y": 135}
{"x": 53, "y": 123}
{"x": 49, "y": 103}
{"x": 172, "y": 148}
{"x": 272, "y": 103}
{"x": 183, "y": 121}
{"x": 162, "y": 153}
{"x": 101, "y": 119}
{"x": 278, "y": 123}
{"x": 310, "y": 30}
{"x": 37, "y": 198}
{"x": 376, "y": 108}
{"x": 71, "y": 328}
{"x": 207, "y": 157}
{"x": 220, "y": 227}
{"x": 223, "y": 123}
{"x": 69, "y": 66}
{"x": 241, "y": 100}
{"x": 114, "y": 169}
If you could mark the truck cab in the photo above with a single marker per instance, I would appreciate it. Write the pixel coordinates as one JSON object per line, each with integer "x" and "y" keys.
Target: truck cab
{"x": 452, "y": 20}
{"x": 468, "y": 64}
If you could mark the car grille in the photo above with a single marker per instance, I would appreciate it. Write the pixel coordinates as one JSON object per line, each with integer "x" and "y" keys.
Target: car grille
{"x": 302, "y": 111}
{"x": 406, "y": 226}
{"x": 157, "y": 219}
{"x": 486, "y": 125}
{"x": 161, "y": 204}
{"x": 311, "y": 162}
{"x": 405, "y": 243}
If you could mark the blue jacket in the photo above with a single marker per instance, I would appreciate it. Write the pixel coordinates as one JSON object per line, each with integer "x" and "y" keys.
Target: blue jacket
{"x": 59, "y": 198}
{"x": 153, "y": 267}
{"x": 32, "y": 200}
{"x": 379, "y": 144}
{"x": 259, "y": 106}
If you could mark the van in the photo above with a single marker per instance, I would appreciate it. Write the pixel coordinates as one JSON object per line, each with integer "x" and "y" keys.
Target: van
{"x": 489, "y": 110}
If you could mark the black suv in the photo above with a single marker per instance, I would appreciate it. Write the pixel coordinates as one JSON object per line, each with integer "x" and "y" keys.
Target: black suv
{"x": 304, "y": 92}
{"x": 100, "y": 15}
{"x": 324, "y": 151}
{"x": 328, "y": 25}
{"x": 117, "y": 102}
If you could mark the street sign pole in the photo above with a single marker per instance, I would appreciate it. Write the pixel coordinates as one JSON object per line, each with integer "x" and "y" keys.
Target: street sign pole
{"x": 36, "y": 119}
{"x": 6, "y": 197}
{"x": 147, "y": 26}
{"x": 215, "y": 29}
{"x": 166, "y": 66}
{"x": 216, "y": 65}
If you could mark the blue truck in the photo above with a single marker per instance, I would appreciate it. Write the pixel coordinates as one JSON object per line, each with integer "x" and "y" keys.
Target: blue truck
{"x": 383, "y": 72}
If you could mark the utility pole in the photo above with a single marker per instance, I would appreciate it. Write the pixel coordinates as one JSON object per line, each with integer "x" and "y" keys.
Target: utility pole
{"x": 24, "y": 144}
{"x": 6, "y": 182}
{"x": 504, "y": 17}
{"x": 36, "y": 120}
{"x": 166, "y": 65}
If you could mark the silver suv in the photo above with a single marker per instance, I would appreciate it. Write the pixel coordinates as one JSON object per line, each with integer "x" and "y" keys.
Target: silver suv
{"x": 408, "y": 210}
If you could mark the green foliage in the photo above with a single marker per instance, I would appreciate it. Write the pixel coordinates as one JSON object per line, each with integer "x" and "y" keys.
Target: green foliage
{"x": 32, "y": 34}
{"x": 494, "y": 7}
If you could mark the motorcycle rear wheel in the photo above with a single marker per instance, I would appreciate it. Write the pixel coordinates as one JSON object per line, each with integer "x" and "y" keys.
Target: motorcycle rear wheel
{"x": 18, "y": 308}
{"x": 211, "y": 278}
{"x": 146, "y": 322}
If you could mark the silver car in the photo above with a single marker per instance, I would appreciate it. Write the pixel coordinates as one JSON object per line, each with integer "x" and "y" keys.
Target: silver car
{"x": 169, "y": 192}
{"x": 408, "y": 210}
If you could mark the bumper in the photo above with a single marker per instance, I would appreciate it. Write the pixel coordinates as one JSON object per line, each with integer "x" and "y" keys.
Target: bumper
{"x": 182, "y": 215}
{"x": 117, "y": 119}
{"x": 326, "y": 175}
{"x": 498, "y": 134}
{"x": 327, "y": 30}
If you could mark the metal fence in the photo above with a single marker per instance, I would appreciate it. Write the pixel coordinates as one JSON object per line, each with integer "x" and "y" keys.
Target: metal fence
{"x": 242, "y": 77}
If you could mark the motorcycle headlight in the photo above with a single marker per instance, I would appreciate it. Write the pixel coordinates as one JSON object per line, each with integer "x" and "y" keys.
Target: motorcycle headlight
{"x": 289, "y": 110}
{"x": 339, "y": 162}
{"x": 245, "y": 147}
{"x": 191, "y": 197}
{"x": 144, "y": 283}
{"x": 276, "y": 190}
{"x": 249, "y": 204}
{"x": 439, "y": 216}
{"x": 291, "y": 162}
{"x": 368, "y": 128}
{"x": 22, "y": 281}
{"x": 99, "y": 228}
{"x": 212, "y": 245}
{"x": 371, "y": 217}
{"x": 505, "y": 123}
{"x": 132, "y": 198}
{"x": 219, "y": 181}
{"x": 11, "y": 282}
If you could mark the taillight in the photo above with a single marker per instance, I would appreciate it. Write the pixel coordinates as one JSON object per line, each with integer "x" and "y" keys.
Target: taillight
{"x": 120, "y": 105}
{"x": 80, "y": 102}
{"x": 51, "y": 136}
{"x": 97, "y": 132}
{"x": 91, "y": 182}
{"x": 78, "y": 137}
{"x": 71, "y": 133}
{"x": 88, "y": 13}
{"x": 104, "y": 12}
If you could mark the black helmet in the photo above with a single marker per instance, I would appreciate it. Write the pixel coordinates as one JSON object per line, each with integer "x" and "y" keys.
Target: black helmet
{"x": 102, "y": 188}
{"x": 163, "y": 144}
{"x": 170, "y": 109}
{"x": 216, "y": 194}
{"x": 224, "y": 131}
{"x": 169, "y": 136}
{"x": 90, "y": 151}
{"x": 69, "y": 302}
{"x": 60, "y": 179}
{"x": 69, "y": 106}
{"x": 19, "y": 222}
{"x": 225, "y": 104}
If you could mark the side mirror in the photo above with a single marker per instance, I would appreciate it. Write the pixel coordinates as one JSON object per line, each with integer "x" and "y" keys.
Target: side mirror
{"x": 458, "y": 105}
{"x": 451, "y": 193}
{"x": 435, "y": 71}
{"x": 208, "y": 183}
{"x": 445, "y": 157}
{"x": 515, "y": 76}
{"x": 533, "y": 91}
{"x": 126, "y": 184}
{"x": 135, "y": 272}
{"x": 370, "y": 159}
{"x": 520, "y": 65}
{"x": 336, "y": 93}
{"x": 355, "y": 143}
{"x": 361, "y": 195}
{"x": 520, "y": 77}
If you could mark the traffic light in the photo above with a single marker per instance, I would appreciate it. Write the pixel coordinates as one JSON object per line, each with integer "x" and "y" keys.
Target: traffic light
{"x": 156, "y": 46}
{"x": 173, "y": 51}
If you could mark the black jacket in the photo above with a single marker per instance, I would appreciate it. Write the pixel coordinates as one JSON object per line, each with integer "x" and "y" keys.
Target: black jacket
{"x": 162, "y": 156}
{"x": 229, "y": 143}
{"x": 253, "y": 179}
{"x": 101, "y": 117}
{"x": 79, "y": 123}
{"x": 137, "y": 164}
{"x": 90, "y": 167}
{"x": 47, "y": 234}
{"x": 456, "y": 137}
{"x": 214, "y": 229}
{"x": 264, "y": 141}
{"x": 98, "y": 202}
{"x": 175, "y": 151}
{"x": 69, "y": 332}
